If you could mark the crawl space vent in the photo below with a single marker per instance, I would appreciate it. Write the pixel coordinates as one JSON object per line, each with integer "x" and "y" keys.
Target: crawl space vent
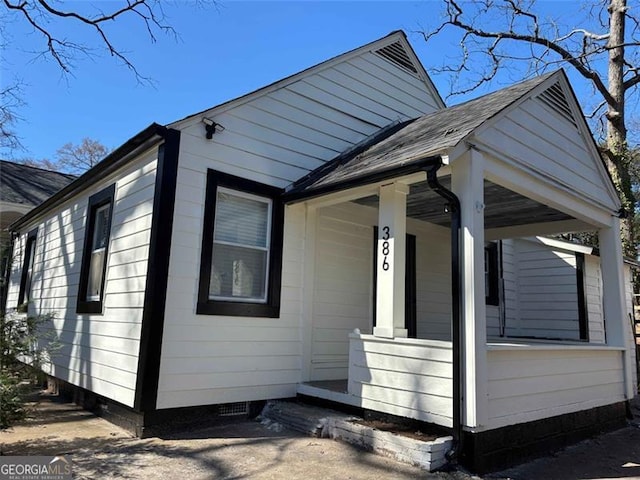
{"x": 231, "y": 409}
{"x": 396, "y": 54}
{"x": 553, "y": 97}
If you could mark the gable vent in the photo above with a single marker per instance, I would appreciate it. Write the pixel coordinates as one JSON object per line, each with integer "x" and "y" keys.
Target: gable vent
{"x": 396, "y": 54}
{"x": 554, "y": 98}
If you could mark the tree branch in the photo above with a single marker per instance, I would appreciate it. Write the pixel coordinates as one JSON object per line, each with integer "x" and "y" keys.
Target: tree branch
{"x": 455, "y": 13}
{"x": 40, "y": 13}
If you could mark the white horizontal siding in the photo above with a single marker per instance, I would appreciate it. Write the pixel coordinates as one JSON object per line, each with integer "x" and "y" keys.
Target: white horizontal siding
{"x": 209, "y": 359}
{"x": 343, "y": 288}
{"x": 632, "y": 360}
{"x": 97, "y": 352}
{"x": 281, "y": 135}
{"x": 530, "y": 384}
{"x": 536, "y": 137}
{"x": 593, "y": 293}
{"x": 433, "y": 280}
{"x": 547, "y": 291}
{"x": 404, "y": 377}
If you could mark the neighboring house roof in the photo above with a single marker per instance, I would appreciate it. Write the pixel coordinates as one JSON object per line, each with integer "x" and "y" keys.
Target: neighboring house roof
{"x": 118, "y": 157}
{"x": 428, "y": 136}
{"x": 27, "y": 185}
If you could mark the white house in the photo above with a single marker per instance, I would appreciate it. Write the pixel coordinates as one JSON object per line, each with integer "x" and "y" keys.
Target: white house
{"x": 230, "y": 258}
{"x": 22, "y": 187}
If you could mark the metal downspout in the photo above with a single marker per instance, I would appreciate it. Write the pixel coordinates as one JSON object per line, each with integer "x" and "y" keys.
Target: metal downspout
{"x": 453, "y": 207}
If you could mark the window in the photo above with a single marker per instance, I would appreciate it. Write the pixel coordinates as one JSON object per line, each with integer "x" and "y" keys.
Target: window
{"x": 94, "y": 256}
{"x": 241, "y": 248}
{"x": 24, "y": 295}
{"x": 491, "y": 274}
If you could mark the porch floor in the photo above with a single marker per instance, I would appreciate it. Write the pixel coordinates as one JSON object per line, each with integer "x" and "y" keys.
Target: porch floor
{"x": 333, "y": 390}
{"x": 339, "y": 386}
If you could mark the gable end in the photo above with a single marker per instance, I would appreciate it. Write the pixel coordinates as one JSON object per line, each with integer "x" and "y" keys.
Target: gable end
{"x": 555, "y": 99}
{"x": 396, "y": 54}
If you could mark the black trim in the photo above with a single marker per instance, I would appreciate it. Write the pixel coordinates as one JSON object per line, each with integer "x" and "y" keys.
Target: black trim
{"x": 453, "y": 207}
{"x": 293, "y": 196}
{"x": 155, "y": 295}
{"x": 7, "y": 274}
{"x": 503, "y": 447}
{"x": 112, "y": 162}
{"x": 583, "y": 313}
{"x": 410, "y": 314}
{"x": 32, "y": 236}
{"x": 271, "y": 308}
{"x": 492, "y": 289}
{"x": 104, "y": 197}
{"x": 306, "y": 183}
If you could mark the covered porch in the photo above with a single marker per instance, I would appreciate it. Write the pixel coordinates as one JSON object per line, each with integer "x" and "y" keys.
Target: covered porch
{"x": 400, "y": 312}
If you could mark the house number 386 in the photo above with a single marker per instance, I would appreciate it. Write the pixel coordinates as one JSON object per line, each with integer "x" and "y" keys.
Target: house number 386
{"x": 386, "y": 248}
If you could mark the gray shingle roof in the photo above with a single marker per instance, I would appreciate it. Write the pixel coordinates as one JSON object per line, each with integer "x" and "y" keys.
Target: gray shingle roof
{"x": 29, "y": 185}
{"x": 429, "y": 135}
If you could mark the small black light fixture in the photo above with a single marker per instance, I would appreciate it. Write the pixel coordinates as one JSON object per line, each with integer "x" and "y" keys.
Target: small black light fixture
{"x": 211, "y": 127}
{"x": 623, "y": 213}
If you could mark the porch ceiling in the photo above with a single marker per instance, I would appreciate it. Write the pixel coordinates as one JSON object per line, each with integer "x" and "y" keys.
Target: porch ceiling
{"x": 503, "y": 207}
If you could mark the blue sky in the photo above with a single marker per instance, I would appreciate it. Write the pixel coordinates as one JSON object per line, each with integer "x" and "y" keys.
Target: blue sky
{"x": 223, "y": 52}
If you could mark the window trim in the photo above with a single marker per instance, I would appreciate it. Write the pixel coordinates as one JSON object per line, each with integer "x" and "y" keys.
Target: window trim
{"x": 583, "y": 309}
{"x": 96, "y": 201}
{"x": 492, "y": 289}
{"x": 242, "y": 308}
{"x": 29, "y": 256}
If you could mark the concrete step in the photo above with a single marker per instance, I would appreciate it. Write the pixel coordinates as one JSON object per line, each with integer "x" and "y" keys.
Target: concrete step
{"x": 325, "y": 423}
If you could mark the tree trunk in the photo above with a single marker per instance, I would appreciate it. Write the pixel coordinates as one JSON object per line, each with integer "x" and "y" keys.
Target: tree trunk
{"x": 617, "y": 156}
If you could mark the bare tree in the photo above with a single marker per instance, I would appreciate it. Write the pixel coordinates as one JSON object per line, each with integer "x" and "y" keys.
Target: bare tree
{"x": 51, "y": 20}
{"x": 603, "y": 50}
{"x": 77, "y": 159}
{"x": 10, "y": 102}
{"x": 43, "y": 163}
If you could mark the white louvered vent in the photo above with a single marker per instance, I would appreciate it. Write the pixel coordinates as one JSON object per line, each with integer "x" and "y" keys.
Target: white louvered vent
{"x": 232, "y": 409}
{"x": 554, "y": 98}
{"x": 396, "y": 54}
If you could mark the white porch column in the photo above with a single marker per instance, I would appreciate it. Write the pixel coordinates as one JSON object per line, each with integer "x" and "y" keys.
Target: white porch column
{"x": 613, "y": 296}
{"x": 392, "y": 228}
{"x": 467, "y": 182}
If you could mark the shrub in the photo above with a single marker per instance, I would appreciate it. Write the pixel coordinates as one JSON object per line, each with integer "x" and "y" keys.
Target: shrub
{"x": 26, "y": 342}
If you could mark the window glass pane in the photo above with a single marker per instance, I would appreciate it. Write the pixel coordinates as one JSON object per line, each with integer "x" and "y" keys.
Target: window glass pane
{"x": 238, "y": 272}
{"x": 94, "y": 282}
{"x": 241, "y": 220}
{"x": 31, "y": 252}
{"x": 101, "y": 227}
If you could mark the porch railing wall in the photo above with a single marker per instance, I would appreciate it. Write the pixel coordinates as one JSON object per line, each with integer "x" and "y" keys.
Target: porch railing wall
{"x": 405, "y": 377}
{"x": 530, "y": 382}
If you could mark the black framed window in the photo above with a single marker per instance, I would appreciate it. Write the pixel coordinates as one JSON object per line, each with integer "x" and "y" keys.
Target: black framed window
{"x": 241, "y": 262}
{"x": 24, "y": 296}
{"x": 96, "y": 249}
{"x": 491, "y": 274}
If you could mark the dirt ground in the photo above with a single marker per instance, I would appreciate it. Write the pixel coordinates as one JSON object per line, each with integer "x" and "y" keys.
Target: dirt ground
{"x": 249, "y": 450}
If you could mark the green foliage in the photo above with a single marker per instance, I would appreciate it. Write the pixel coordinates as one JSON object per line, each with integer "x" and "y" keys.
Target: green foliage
{"x": 11, "y": 401}
{"x": 26, "y": 343}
